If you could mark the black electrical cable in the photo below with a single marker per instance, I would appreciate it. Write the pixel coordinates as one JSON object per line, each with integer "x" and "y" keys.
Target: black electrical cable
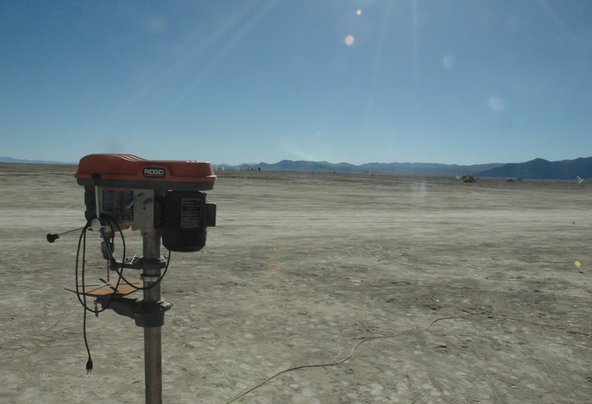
{"x": 120, "y": 271}
{"x": 89, "y": 363}
{"x": 82, "y": 299}
{"x": 110, "y": 254}
{"x": 82, "y": 242}
{"x": 76, "y": 270}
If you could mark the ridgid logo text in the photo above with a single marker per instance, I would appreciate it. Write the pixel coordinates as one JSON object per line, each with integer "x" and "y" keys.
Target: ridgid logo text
{"x": 154, "y": 172}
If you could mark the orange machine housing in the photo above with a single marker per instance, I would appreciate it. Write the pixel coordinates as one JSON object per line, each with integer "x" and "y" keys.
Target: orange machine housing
{"x": 132, "y": 172}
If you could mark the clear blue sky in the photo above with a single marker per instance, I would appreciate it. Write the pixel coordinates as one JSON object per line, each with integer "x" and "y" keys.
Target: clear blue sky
{"x": 460, "y": 81}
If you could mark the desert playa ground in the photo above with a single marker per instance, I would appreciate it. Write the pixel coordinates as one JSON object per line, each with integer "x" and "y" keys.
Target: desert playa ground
{"x": 298, "y": 270}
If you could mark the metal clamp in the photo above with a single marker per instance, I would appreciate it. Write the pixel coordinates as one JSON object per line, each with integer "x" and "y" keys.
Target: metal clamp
{"x": 145, "y": 314}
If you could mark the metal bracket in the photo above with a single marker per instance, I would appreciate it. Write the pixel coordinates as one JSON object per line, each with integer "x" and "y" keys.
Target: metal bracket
{"x": 145, "y": 314}
{"x": 136, "y": 262}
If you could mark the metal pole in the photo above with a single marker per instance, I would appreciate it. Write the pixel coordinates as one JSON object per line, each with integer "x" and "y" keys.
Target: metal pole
{"x": 152, "y": 336}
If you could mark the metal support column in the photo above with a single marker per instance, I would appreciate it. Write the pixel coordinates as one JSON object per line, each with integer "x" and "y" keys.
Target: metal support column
{"x": 152, "y": 336}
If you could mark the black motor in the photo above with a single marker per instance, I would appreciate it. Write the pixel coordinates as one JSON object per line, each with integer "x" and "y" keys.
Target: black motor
{"x": 186, "y": 217}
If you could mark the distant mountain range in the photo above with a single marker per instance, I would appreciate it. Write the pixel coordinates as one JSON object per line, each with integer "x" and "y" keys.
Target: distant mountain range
{"x": 538, "y": 169}
{"x": 402, "y": 169}
{"x": 534, "y": 169}
{"x": 22, "y": 161}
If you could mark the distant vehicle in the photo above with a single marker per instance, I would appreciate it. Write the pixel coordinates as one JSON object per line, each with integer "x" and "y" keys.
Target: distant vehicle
{"x": 580, "y": 180}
